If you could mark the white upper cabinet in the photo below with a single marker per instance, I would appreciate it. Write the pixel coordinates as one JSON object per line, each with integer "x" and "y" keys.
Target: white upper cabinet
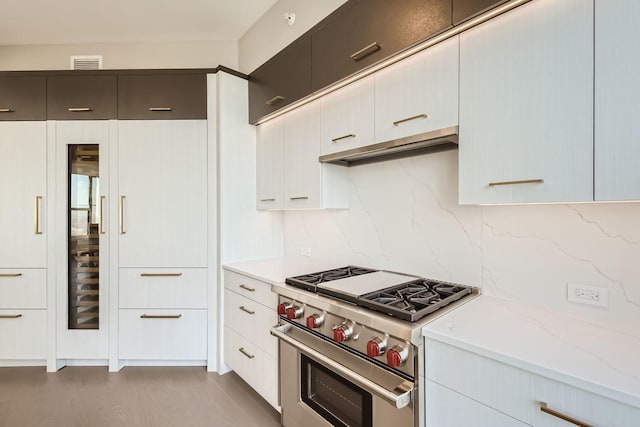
{"x": 347, "y": 117}
{"x": 23, "y": 188}
{"x": 526, "y": 105}
{"x": 418, "y": 94}
{"x": 269, "y": 165}
{"x": 162, "y": 193}
{"x": 617, "y": 100}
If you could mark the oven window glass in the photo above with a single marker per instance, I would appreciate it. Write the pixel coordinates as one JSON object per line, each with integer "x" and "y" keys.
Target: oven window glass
{"x": 337, "y": 400}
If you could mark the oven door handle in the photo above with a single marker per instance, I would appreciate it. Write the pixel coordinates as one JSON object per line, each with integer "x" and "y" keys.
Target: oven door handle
{"x": 399, "y": 397}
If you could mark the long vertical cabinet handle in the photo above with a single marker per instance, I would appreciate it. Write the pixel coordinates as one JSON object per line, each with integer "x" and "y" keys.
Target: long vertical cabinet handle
{"x": 121, "y": 214}
{"x": 36, "y": 216}
{"x": 100, "y": 215}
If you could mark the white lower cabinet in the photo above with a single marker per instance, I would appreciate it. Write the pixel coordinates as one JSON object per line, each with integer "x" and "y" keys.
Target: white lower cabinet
{"x": 249, "y": 348}
{"x": 464, "y": 388}
{"x": 24, "y": 335}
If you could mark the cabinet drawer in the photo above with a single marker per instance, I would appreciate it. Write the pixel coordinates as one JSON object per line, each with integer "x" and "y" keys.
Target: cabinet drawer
{"x": 251, "y": 288}
{"x": 499, "y": 386}
{"x": 172, "y": 335}
{"x": 251, "y": 320}
{"x": 258, "y": 369}
{"x": 579, "y": 404}
{"x": 23, "y": 98}
{"x": 81, "y": 97}
{"x": 23, "y": 289}
{"x": 163, "y": 288}
{"x": 162, "y": 97}
{"x": 23, "y": 334}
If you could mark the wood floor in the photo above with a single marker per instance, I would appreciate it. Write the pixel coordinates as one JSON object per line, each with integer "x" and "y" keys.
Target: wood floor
{"x": 135, "y": 396}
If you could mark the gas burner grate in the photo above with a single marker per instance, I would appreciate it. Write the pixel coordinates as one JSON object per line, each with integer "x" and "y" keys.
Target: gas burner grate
{"x": 309, "y": 281}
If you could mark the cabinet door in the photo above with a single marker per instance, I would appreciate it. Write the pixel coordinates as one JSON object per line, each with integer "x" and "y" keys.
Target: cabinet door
{"x": 162, "y": 167}
{"x": 617, "y": 101}
{"x": 301, "y": 150}
{"x": 23, "y": 98}
{"x": 269, "y": 165}
{"x": 363, "y": 32}
{"x": 418, "y": 94}
{"x": 82, "y": 97}
{"x": 23, "y": 188}
{"x": 526, "y": 101}
{"x": 283, "y": 79}
{"x": 347, "y": 117}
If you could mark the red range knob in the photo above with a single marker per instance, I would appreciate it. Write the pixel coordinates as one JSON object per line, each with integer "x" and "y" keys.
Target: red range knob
{"x": 294, "y": 312}
{"x": 376, "y": 347}
{"x": 282, "y": 308}
{"x": 314, "y": 321}
{"x": 396, "y": 357}
{"x": 339, "y": 335}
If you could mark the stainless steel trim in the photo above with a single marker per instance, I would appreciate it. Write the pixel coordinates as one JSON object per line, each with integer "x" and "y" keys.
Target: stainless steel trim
{"x": 351, "y": 135}
{"x": 408, "y": 119}
{"x": 246, "y": 310}
{"x": 243, "y": 351}
{"x": 365, "y": 51}
{"x": 160, "y": 109}
{"x": 524, "y": 181}
{"x": 275, "y": 100}
{"x": 246, "y": 288}
{"x": 267, "y": 200}
{"x": 544, "y": 408}
{"x": 492, "y": 13}
{"x": 6, "y": 110}
{"x": 299, "y": 198}
{"x": 422, "y": 140}
{"x": 79, "y": 109}
{"x": 400, "y": 397}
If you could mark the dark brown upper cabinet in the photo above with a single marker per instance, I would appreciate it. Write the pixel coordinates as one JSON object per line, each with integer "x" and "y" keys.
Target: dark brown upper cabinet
{"x": 23, "y": 98}
{"x": 283, "y": 79}
{"x": 162, "y": 96}
{"x": 363, "y": 32}
{"x": 78, "y": 97}
{"x": 466, "y": 9}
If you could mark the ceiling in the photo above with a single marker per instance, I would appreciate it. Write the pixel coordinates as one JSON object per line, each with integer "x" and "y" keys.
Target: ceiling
{"x": 112, "y": 21}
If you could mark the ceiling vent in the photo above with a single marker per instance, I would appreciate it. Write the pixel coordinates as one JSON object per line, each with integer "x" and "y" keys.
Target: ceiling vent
{"x": 86, "y": 62}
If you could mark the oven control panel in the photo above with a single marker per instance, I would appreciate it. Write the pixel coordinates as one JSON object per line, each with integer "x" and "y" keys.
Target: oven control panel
{"x": 369, "y": 343}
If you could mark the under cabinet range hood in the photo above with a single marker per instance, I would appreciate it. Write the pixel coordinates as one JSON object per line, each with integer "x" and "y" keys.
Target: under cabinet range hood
{"x": 433, "y": 141}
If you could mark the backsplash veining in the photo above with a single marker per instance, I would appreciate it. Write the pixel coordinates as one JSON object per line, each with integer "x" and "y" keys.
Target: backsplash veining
{"x": 404, "y": 216}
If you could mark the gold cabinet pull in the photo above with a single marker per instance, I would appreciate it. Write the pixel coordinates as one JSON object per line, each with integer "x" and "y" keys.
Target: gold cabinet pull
{"x": 161, "y": 316}
{"x": 275, "y": 100}
{"x": 10, "y": 316}
{"x": 121, "y": 214}
{"x": 299, "y": 198}
{"x": 100, "y": 213}
{"x": 11, "y": 275}
{"x": 524, "y": 181}
{"x": 6, "y": 110}
{"x": 160, "y": 109}
{"x": 544, "y": 408}
{"x": 351, "y": 135}
{"x": 246, "y": 288}
{"x": 246, "y": 310}
{"x": 36, "y": 216}
{"x": 408, "y": 119}
{"x": 79, "y": 109}
{"x": 267, "y": 200}
{"x": 365, "y": 51}
{"x": 243, "y": 351}
{"x": 160, "y": 274}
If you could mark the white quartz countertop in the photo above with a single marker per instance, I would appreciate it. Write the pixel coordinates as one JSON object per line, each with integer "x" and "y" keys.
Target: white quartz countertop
{"x": 275, "y": 270}
{"x": 591, "y": 356}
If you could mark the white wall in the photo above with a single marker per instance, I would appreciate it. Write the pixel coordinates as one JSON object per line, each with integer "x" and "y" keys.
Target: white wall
{"x": 195, "y": 54}
{"x": 404, "y": 216}
{"x": 271, "y": 32}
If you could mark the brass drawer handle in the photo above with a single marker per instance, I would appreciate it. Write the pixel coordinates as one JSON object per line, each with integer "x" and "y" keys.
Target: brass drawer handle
{"x": 365, "y": 51}
{"x": 79, "y": 109}
{"x": 10, "y": 316}
{"x": 36, "y": 216}
{"x": 544, "y": 408}
{"x": 160, "y": 109}
{"x": 11, "y": 275}
{"x": 160, "y": 274}
{"x": 299, "y": 198}
{"x": 162, "y": 316}
{"x": 408, "y": 119}
{"x": 243, "y": 351}
{"x": 267, "y": 200}
{"x": 6, "y": 110}
{"x": 121, "y": 214}
{"x": 100, "y": 216}
{"x": 246, "y": 288}
{"x": 242, "y": 307}
{"x": 524, "y": 181}
{"x": 275, "y": 100}
{"x": 351, "y": 135}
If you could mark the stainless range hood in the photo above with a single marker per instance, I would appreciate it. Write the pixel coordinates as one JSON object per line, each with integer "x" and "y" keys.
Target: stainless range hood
{"x": 433, "y": 141}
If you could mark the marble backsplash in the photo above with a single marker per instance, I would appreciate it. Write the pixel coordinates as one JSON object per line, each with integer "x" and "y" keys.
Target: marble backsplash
{"x": 404, "y": 216}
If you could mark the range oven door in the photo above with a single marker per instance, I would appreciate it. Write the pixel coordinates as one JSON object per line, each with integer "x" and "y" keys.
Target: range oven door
{"x": 322, "y": 384}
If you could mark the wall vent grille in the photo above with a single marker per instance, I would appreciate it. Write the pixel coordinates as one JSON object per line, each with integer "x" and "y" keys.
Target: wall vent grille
{"x": 86, "y": 62}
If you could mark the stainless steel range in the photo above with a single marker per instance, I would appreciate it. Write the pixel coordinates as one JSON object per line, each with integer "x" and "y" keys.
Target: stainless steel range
{"x": 351, "y": 348}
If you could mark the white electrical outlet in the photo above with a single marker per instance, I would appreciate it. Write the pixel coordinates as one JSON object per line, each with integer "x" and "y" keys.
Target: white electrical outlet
{"x": 585, "y": 294}
{"x": 306, "y": 251}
